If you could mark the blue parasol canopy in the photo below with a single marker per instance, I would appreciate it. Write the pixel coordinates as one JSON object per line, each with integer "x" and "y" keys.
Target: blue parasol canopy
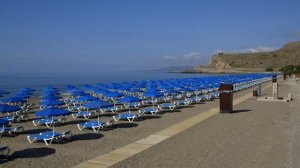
{"x": 50, "y": 112}
{"x": 22, "y": 96}
{"x": 3, "y": 121}
{"x": 102, "y": 91}
{"x": 86, "y": 98}
{"x": 76, "y": 92}
{"x": 13, "y": 100}
{"x": 97, "y": 104}
{"x": 114, "y": 94}
{"x": 153, "y": 93}
{"x": 8, "y": 108}
{"x": 129, "y": 99}
{"x": 52, "y": 103}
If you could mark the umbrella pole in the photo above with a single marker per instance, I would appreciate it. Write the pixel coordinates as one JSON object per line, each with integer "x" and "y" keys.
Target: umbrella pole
{"x": 153, "y": 102}
{"x": 114, "y": 103}
{"x": 53, "y": 125}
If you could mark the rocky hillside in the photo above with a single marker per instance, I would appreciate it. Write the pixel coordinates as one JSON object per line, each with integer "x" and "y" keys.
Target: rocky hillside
{"x": 287, "y": 55}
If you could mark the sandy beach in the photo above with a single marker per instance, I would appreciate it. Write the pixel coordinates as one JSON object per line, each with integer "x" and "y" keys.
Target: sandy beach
{"x": 260, "y": 134}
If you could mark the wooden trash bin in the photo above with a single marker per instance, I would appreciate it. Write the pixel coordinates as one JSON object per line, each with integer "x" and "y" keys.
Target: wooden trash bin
{"x": 255, "y": 94}
{"x": 226, "y": 98}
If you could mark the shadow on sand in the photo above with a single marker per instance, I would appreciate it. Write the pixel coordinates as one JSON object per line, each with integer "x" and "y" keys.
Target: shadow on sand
{"x": 241, "y": 111}
{"x": 72, "y": 122}
{"x": 124, "y": 125}
{"x": 87, "y": 136}
{"x": 32, "y": 153}
{"x": 146, "y": 117}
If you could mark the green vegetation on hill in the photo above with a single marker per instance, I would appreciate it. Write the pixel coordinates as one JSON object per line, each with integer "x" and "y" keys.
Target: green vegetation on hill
{"x": 290, "y": 69}
{"x": 288, "y": 55}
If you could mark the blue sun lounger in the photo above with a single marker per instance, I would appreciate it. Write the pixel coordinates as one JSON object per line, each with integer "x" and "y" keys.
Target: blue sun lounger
{"x": 208, "y": 97}
{"x": 48, "y": 121}
{"x": 80, "y": 114}
{"x": 16, "y": 118}
{"x": 127, "y": 116}
{"x": 196, "y": 99}
{"x": 132, "y": 105}
{"x": 185, "y": 102}
{"x": 49, "y": 136}
{"x": 110, "y": 109}
{"x": 169, "y": 106}
{"x": 149, "y": 110}
{"x": 7, "y": 130}
{"x": 95, "y": 125}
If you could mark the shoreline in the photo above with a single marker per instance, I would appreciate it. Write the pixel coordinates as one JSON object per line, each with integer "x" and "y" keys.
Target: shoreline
{"x": 221, "y": 71}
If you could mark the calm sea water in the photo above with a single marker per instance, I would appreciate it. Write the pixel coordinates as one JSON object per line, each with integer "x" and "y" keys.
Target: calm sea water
{"x": 14, "y": 82}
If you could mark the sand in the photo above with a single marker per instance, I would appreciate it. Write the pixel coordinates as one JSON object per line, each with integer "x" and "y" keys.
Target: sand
{"x": 212, "y": 143}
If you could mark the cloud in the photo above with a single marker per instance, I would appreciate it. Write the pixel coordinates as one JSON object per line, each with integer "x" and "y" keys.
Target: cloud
{"x": 191, "y": 58}
{"x": 248, "y": 50}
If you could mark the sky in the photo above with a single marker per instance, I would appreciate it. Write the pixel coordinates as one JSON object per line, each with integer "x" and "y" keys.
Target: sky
{"x": 101, "y": 35}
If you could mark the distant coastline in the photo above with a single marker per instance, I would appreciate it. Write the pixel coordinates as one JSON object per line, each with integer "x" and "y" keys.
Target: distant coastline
{"x": 218, "y": 71}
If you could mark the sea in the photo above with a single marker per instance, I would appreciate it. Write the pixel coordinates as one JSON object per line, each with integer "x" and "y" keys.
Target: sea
{"x": 14, "y": 82}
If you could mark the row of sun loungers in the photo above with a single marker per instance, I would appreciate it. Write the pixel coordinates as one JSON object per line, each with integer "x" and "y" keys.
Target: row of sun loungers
{"x": 144, "y": 108}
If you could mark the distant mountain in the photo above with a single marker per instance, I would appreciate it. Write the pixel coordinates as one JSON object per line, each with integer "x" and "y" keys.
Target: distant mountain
{"x": 175, "y": 68}
{"x": 289, "y": 54}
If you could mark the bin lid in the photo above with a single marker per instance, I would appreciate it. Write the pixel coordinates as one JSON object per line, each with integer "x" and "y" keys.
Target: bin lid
{"x": 226, "y": 86}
